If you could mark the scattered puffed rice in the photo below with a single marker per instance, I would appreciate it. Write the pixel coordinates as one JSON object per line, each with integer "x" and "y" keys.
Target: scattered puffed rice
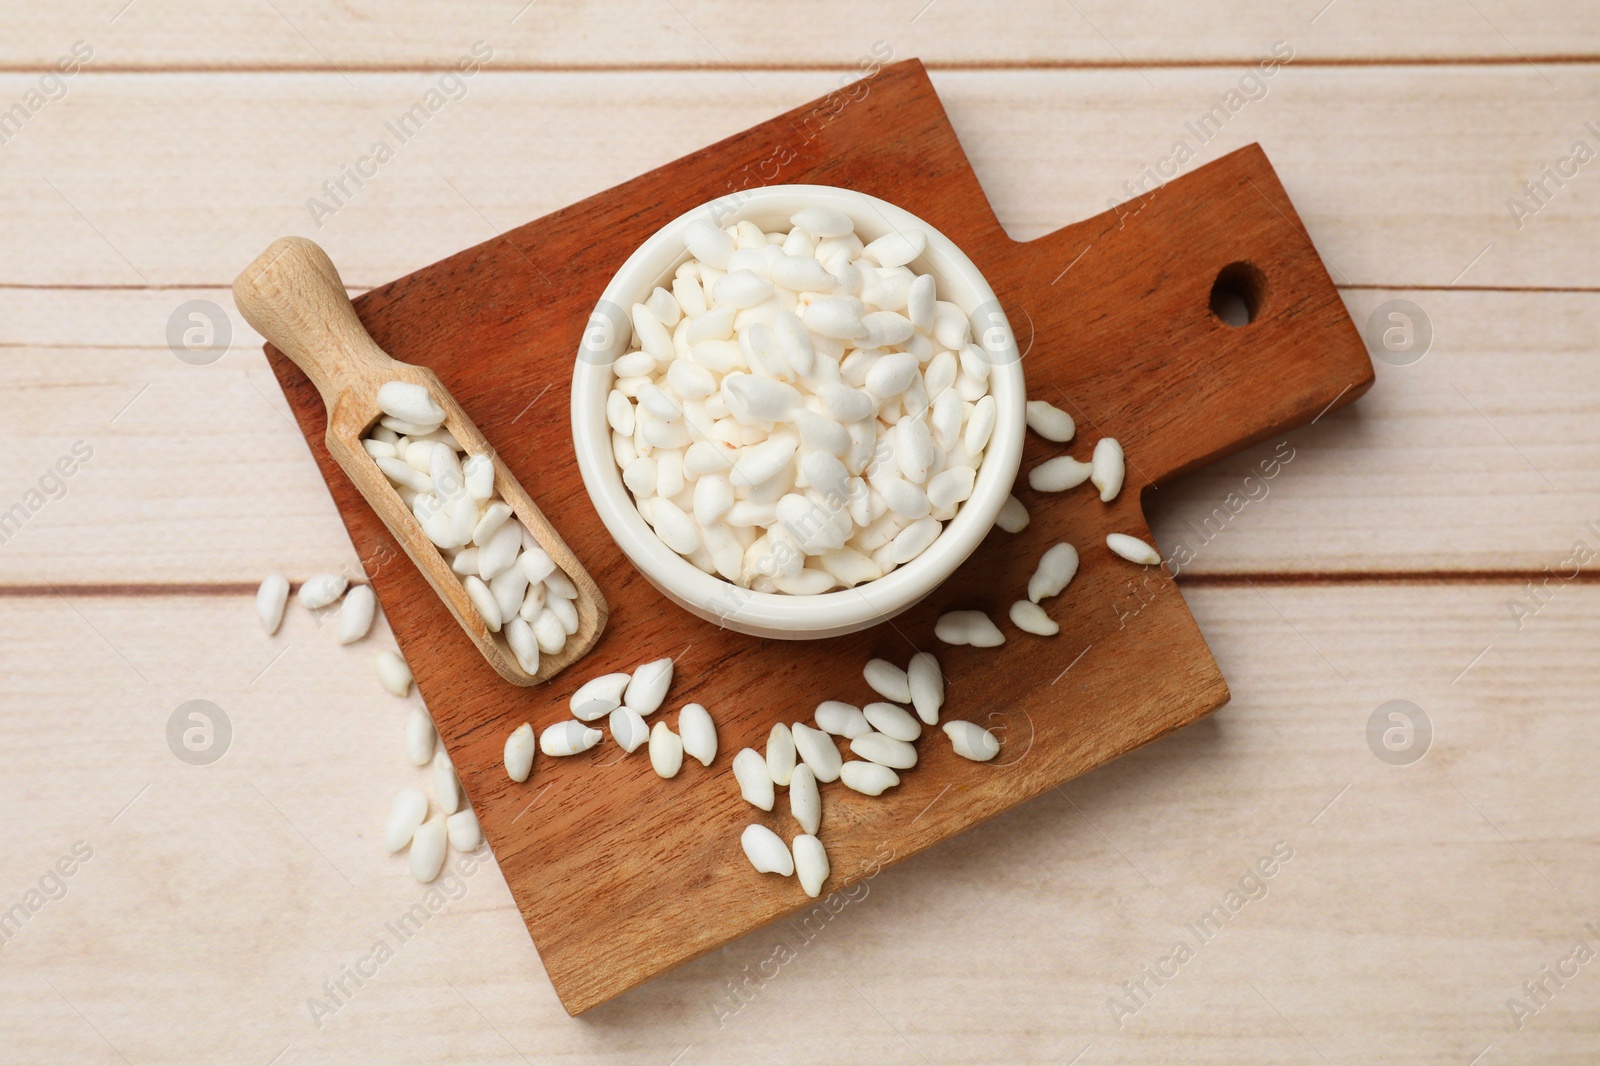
{"x": 648, "y": 686}
{"x": 968, "y": 627}
{"x": 1133, "y": 549}
{"x": 888, "y": 680}
{"x": 780, "y": 754}
{"x": 805, "y": 802}
{"x": 1013, "y": 516}
{"x": 816, "y": 750}
{"x": 927, "y": 686}
{"x": 628, "y": 729}
{"x": 885, "y": 751}
{"x": 420, "y": 737}
{"x": 766, "y": 851}
{"x": 841, "y": 719}
{"x": 405, "y": 816}
{"x": 519, "y": 753}
{"x": 598, "y": 697}
{"x": 446, "y": 789}
{"x": 893, "y": 721}
{"x": 463, "y": 830}
{"x": 1050, "y": 422}
{"x": 1057, "y": 567}
{"x": 1031, "y": 618}
{"x": 319, "y": 591}
{"x": 356, "y": 614}
{"x": 972, "y": 741}
{"x": 1108, "y": 468}
{"x": 868, "y": 778}
{"x": 568, "y": 738}
{"x": 1059, "y": 474}
{"x": 811, "y": 863}
{"x": 755, "y": 783}
{"x": 666, "y": 750}
{"x": 428, "y": 848}
{"x": 393, "y": 672}
{"x": 699, "y": 733}
{"x": 270, "y": 601}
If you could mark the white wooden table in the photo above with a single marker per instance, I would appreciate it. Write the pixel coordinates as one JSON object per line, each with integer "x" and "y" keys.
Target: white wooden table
{"x": 217, "y": 901}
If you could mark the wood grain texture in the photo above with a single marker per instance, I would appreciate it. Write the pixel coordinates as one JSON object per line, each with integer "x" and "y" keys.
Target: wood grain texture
{"x": 1401, "y": 175}
{"x": 1416, "y": 902}
{"x": 1118, "y": 338}
{"x": 305, "y": 35}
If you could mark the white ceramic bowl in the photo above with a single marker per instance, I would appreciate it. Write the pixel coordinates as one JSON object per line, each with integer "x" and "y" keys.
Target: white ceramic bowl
{"x": 766, "y": 614}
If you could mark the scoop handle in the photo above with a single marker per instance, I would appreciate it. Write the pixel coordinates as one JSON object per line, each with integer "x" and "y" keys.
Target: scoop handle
{"x": 292, "y": 294}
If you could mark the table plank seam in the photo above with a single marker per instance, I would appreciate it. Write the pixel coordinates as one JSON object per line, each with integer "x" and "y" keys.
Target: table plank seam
{"x": 1230, "y": 579}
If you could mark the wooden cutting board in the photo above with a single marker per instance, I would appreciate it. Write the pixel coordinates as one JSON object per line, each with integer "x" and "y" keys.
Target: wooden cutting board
{"x": 621, "y": 875}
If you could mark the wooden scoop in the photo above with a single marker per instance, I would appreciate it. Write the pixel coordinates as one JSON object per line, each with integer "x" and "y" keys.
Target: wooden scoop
{"x": 293, "y": 295}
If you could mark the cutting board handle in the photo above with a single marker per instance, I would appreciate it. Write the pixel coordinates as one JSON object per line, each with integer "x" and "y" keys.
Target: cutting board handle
{"x": 292, "y": 294}
{"x": 1136, "y": 303}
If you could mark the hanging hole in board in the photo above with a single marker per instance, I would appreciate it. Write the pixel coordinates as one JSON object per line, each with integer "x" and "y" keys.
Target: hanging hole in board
{"x": 1238, "y": 294}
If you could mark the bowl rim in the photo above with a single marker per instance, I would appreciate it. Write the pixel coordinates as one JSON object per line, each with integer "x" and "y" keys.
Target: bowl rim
{"x": 710, "y": 595}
